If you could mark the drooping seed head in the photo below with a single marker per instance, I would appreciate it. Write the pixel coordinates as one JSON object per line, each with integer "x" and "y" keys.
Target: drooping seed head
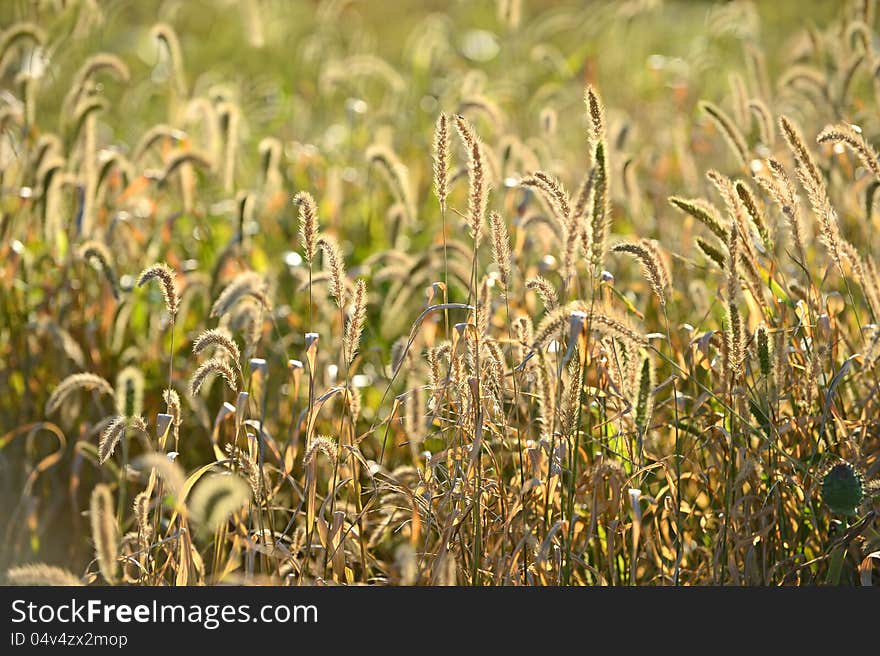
{"x": 165, "y": 276}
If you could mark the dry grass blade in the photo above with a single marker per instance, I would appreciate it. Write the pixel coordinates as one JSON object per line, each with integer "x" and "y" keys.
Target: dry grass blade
{"x": 105, "y": 533}
{"x": 247, "y": 283}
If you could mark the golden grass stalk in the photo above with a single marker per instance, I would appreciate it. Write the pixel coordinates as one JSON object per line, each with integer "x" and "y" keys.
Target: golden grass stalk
{"x": 441, "y": 159}
{"x": 731, "y": 273}
{"x": 41, "y": 574}
{"x": 249, "y": 318}
{"x": 212, "y": 366}
{"x": 644, "y": 400}
{"x": 847, "y": 73}
{"x": 105, "y": 533}
{"x": 19, "y": 31}
{"x": 606, "y": 322}
{"x": 546, "y": 398}
{"x": 98, "y": 251}
{"x": 435, "y": 356}
{"x": 764, "y": 118}
{"x": 397, "y": 176}
{"x": 219, "y": 339}
{"x": 702, "y": 211}
{"x": 246, "y": 283}
{"x": 165, "y": 276}
{"x": 130, "y": 391}
{"x": 509, "y": 12}
{"x": 216, "y": 497}
{"x": 596, "y": 115}
{"x": 553, "y": 193}
{"x": 479, "y": 103}
{"x": 141, "y": 510}
{"x": 152, "y": 136}
{"x": 308, "y": 224}
{"x": 271, "y": 149}
{"x": 740, "y": 98}
{"x": 653, "y": 267}
{"x": 102, "y": 61}
{"x": 600, "y": 222}
{"x": 711, "y": 252}
{"x": 733, "y": 330}
{"x": 782, "y": 190}
{"x": 724, "y": 186}
{"x": 762, "y": 341}
{"x": 321, "y": 444}
{"x": 354, "y": 400}
{"x": 180, "y": 159}
{"x": 354, "y": 327}
{"x": 546, "y": 292}
{"x": 757, "y": 68}
{"x": 859, "y": 32}
{"x": 866, "y": 282}
{"x": 780, "y": 358}
{"x": 500, "y": 246}
{"x": 855, "y": 141}
{"x": 548, "y": 119}
{"x": 172, "y": 401}
{"x": 733, "y": 335}
{"x": 580, "y": 205}
{"x": 115, "y": 431}
{"x": 169, "y": 471}
{"x": 571, "y": 403}
{"x": 64, "y": 341}
{"x": 230, "y": 116}
{"x": 335, "y": 265}
{"x": 729, "y": 130}
{"x": 573, "y": 235}
{"x": 73, "y": 383}
{"x": 806, "y": 165}
{"x": 478, "y": 194}
{"x": 811, "y": 179}
{"x": 751, "y": 207}
{"x": 166, "y": 35}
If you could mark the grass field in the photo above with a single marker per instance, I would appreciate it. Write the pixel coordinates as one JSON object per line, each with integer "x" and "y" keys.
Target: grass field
{"x": 425, "y": 293}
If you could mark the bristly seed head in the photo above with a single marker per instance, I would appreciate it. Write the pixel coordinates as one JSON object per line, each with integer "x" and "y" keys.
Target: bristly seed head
{"x": 165, "y": 275}
{"x": 308, "y": 224}
{"x": 441, "y": 159}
